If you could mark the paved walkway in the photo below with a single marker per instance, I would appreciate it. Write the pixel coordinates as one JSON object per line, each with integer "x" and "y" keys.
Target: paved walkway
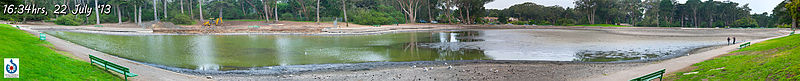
{"x": 672, "y": 65}
{"x": 146, "y": 73}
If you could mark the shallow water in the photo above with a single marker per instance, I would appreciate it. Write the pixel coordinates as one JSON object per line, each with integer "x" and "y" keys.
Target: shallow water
{"x": 233, "y": 52}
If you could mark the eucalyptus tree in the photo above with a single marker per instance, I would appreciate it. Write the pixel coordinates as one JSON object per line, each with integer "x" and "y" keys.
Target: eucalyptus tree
{"x": 793, "y": 8}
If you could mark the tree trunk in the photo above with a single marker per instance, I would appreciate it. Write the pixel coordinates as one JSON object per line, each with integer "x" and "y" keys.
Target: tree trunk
{"x": 430, "y": 17}
{"x": 119, "y": 16}
{"x": 243, "y": 11}
{"x": 191, "y": 11}
{"x": 695, "y": 18}
{"x": 469, "y": 19}
{"x": 140, "y": 16}
{"x": 220, "y": 13}
{"x": 97, "y": 12}
{"x": 344, "y": 10}
{"x": 317, "y": 12}
{"x": 136, "y": 14}
{"x": 794, "y": 23}
{"x": 266, "y": 15}
{"x": 658, "y": 24}
{"x": 165, "y": 9}
{"x": 409, "y": 7}
{"x": 276, "y": 11}
{"x": 181, "y": 6}
{"x": 201, "y": 10}
{"x": 303, "y": 7}
{"x": 155, "y": 10}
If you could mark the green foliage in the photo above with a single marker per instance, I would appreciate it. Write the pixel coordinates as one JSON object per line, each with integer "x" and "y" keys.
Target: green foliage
{"x": 784, "y": 26}
{"x": 539, "y": 22}
{"x": 42, "y": 63}
{"x": 181, "y": 19}
{"x": 519, "y": 22}
{"x": 603, "y": 25}
{"x": 747, "y": 22}
{"x": 565, "y": 22}
{"x": 371, "y": 17}
{"x": 774, "y": 59}
{"x": 69, "y": 20}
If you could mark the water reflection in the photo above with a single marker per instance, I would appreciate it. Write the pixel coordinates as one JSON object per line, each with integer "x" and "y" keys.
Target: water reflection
{"x": 232, "y": 52}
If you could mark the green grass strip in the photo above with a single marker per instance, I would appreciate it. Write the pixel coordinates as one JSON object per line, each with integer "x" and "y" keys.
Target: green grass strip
{"x": 40, "y": 63}
{"x": 772, "y": 60}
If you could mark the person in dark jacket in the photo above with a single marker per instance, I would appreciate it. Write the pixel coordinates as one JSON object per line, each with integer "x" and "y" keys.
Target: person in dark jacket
{"x": 734, "y": 40}
{"x": 729, "y": 41}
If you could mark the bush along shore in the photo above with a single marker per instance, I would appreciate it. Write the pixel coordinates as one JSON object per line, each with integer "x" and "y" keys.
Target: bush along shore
{"x": 775, "y": 59}
{"x": 39, "y": 61}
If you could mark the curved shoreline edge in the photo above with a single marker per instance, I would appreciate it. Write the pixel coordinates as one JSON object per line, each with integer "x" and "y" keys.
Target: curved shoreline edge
{"x": 281, "y": 69}
{"x": 146, "y": 73}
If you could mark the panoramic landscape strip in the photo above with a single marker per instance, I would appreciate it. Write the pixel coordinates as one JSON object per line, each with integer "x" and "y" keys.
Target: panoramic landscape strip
{"x": 399, "y": 40}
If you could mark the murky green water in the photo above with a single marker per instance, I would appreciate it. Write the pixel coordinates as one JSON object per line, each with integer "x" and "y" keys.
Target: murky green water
{"x": 236, "y": 52}
{"x": 227, "y": 52}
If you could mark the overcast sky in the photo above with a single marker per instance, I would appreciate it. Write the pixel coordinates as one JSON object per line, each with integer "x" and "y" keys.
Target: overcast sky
{"x": 757, "y": 6}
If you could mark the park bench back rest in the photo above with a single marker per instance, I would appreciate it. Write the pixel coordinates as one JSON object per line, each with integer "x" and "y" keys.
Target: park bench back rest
{"x": 744, "y": 45}
{"x": 124, "y": 69}
{"x": 658, "y": 74}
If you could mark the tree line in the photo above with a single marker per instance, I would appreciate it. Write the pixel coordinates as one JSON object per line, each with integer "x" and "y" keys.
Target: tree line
{"x": 653, "y": 13}
{"x": 369, "y": 12}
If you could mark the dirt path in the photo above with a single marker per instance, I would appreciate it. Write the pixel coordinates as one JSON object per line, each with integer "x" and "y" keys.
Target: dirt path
{"x": 146, "y": 73}
{"x": 672, "y": 65}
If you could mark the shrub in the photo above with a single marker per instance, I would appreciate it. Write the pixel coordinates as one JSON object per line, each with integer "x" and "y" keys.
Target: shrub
{"x": 181, "y": 19}
{"x": 371, "y": 17}
{"x": 69, "y": 20}
{"x": 565, "y": 22}
{"x": 519, "y": 22}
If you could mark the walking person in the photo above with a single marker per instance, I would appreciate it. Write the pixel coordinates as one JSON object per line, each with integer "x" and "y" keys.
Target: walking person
{"x": 734, "y": 40}
{"x": 729, "y": 41}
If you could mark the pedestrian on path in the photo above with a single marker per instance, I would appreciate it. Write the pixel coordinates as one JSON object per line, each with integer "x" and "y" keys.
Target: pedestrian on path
{"x": 729, "y": 41}
{"x": 734, "y": 40}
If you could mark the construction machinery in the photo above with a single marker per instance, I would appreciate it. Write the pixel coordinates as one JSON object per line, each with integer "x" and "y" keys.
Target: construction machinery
{"x": 212, "y": 21}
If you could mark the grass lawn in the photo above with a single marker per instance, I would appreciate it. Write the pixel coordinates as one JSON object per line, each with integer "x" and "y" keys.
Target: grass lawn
{"x": 771, "y": 60}
{"x": 602, "y": 25}
{"x": 39, "y": 62}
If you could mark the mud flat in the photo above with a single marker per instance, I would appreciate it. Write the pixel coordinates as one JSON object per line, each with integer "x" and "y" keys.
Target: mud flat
{"x": 455, "y": 70}
{"x": 521, "y": 69}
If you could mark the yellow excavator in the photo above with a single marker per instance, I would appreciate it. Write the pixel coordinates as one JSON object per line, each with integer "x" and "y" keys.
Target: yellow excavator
{"x": 212, "y": 21}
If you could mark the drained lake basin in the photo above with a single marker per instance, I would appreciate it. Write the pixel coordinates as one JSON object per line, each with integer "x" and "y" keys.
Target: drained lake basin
{"x": 235, "y": 52}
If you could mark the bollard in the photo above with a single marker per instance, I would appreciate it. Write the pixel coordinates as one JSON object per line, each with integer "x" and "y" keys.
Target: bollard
{"x": 41, "y": 36}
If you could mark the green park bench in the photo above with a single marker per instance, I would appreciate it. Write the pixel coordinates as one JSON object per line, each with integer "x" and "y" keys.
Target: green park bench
{"x": 744, "y": 45}
{"x": 114, "y": 67}
{"x": 254, "y": 26}
{"x": 98, "y": 25}
{"x": 658, "y": 74}
{"x": 791, "y": 33}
